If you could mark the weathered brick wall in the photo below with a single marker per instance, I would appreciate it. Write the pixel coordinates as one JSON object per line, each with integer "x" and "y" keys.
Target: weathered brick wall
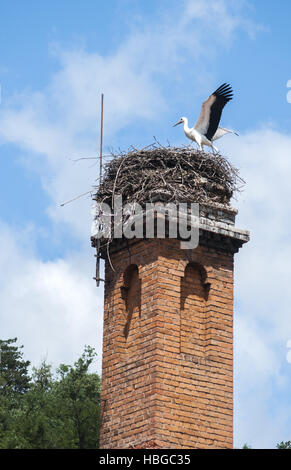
{"x": 167, "y": 378}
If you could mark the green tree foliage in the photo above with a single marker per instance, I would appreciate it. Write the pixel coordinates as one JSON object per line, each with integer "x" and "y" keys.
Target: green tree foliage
{"x": 77, "y": 390}
{"x": 246, "y": 446}
{"x": 14, "y": 376}
{"x": 14, "y": 384}
{"x": 53, "y": 412}
{"x": 284, "y": 445}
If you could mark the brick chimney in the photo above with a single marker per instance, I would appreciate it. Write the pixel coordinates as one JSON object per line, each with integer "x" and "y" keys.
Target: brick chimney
{"x": 167, "y": 371}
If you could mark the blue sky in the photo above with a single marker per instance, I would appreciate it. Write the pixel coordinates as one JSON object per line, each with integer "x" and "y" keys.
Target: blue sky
{"x": 154, "y": 61}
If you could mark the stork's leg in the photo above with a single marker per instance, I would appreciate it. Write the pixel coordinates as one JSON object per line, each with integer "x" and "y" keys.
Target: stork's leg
{"x": 199, "y": 143}
{"x": 214, "y": 148}
{"x": 199, "y": 146}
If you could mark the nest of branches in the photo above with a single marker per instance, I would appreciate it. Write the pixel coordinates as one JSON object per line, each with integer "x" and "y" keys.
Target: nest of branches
{"x": 168, "y": 174}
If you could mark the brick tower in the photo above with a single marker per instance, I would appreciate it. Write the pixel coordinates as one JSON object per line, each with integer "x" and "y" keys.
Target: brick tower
{"x": 167, "y": 370}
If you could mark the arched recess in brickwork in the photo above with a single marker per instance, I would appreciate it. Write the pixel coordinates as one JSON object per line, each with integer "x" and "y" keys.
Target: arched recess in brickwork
{"x": 131, "y": 295}
{"x": 194, "y": 296}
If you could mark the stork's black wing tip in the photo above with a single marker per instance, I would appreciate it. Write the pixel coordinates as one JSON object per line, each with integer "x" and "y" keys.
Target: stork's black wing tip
{"x": 225, "y": 91}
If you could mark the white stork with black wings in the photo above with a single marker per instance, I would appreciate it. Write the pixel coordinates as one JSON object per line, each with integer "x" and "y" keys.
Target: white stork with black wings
{"x": 206, "y": 129}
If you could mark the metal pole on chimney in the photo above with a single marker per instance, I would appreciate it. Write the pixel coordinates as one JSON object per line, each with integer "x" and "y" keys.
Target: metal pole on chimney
{"x": 101, "y": 136}
{"x": 97, "y": 275}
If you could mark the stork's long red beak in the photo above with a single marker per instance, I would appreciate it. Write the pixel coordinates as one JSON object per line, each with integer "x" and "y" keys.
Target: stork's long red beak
{"x": 179, "y": 122}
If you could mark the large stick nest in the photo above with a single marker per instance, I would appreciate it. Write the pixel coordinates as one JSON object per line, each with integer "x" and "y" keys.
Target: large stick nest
{"x": 169, "y": 174}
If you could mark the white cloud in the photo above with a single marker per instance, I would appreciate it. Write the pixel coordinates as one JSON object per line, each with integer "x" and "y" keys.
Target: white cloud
{"x": 54, "y": 307}
{"x": 264, "y": 161}
{"x": 222, "y": 16}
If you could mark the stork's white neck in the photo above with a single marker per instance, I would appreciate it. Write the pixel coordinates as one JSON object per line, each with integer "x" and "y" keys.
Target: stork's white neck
{"x": 186, "y": 127}
{"x": 192, "y": 134}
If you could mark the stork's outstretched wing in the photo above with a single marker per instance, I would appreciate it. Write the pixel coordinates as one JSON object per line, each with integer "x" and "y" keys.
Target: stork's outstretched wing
{"x": 221, "y": 131}
{"x": 211, "y": 110}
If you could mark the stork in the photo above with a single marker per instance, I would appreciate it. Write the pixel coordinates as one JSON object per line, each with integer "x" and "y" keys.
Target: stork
{"x": 206, "y": 129}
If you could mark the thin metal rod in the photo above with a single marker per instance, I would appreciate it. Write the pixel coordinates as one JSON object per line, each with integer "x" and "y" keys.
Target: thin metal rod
{"x": 101, "y": 136}
{"x": 77, "y": 197}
